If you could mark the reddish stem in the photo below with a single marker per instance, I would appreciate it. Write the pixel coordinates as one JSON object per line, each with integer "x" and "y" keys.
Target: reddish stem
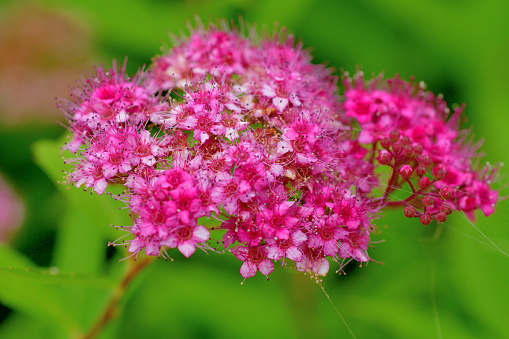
{"x": 110, "y": 312}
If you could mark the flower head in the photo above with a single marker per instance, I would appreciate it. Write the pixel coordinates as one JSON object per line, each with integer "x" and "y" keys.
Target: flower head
{"x": 256, "y": 137}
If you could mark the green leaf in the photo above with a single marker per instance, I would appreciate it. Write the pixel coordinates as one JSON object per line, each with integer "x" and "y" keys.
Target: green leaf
{"x": 53, "y": 277}
{"x": 85, "y": 232}
{"x": 20, "y": 291}
{"x": 83, "y": 235}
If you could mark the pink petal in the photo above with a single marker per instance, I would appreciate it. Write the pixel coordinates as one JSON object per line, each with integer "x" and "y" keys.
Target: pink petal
{"x": 248, "y": 269}
{"x": 184, "y": 216}
{"x": 187, "y": 248}
{"x": 298, "y": 238}
{"x": 152, "y": 248}
{"x": 291, "y": 134}
{"x": 283, "y": 233}
{"x": 321, "y": 267}
{"x": 274, "y": 252}
{"x": 266, "y": 267}
{"x": 200, "y": 234}
{"x": 280, "y": 103}
{"x": 268, "y": 91}
{"x": 100, "y": 186}
{"x": 294, "y": 254}
{"x": 136, "y": 245}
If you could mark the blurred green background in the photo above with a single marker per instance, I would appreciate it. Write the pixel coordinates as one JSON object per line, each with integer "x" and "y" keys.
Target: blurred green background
{"x": 56, "y": 273}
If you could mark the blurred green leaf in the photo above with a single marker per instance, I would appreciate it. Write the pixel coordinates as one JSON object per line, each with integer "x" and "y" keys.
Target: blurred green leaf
{"x": 31, "y": 296}
{"x": 83, "y": 235}
{"x": 85, "y": 231}
{"x": 53, "y": 277}
{"x": 24, "y": 326}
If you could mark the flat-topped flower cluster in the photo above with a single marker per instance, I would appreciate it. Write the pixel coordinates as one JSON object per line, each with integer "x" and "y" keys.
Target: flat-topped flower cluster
{"x": 249, "y": 132}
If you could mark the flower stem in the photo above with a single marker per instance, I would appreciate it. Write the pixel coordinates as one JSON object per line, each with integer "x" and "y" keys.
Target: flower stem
{"x": 135, "y": 267}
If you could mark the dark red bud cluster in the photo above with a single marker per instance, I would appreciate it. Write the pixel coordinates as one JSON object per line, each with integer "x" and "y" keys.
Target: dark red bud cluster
{"x": 446, "y": 193}
{"x": 408, "y": 151}
{"x": 417, "y": 149}
{"x": 424, "y": 160}
{"x": 424, "y": 182}
{"x": 446, "y": 208}
{"x": 420, "y": 170}
{"x": 384, "y": 157}
{"x": 410, "y": 212}
{"x": 397, "y": 147}
{"x": 405, "y": 171}
{"x": 385, "y": 143}
{"x": 405, "y": 140}
{"x": 428, "y": 201}
{"x": 425, "y": 219}
{"x": 438, "y": 172}
{"x": 394, "y": 136}
{"x": 441, "y": 217}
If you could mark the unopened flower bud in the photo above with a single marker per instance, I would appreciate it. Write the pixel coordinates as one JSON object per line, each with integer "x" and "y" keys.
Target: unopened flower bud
{"x": 425, "y": 219}
{"x": 438, "y": 172}
{"x": 394, "y": 136}
{"x": 385, "y": 143}
{"x": 384, "y": 157}
{"x": 446, "y": 193}
{"x": 417, "y": 149}
{"x": 405, "y": 140}
{"x": 409, "y": 212}
{"x": 441, "y": 216}
{"x": 446, "y": 208}
{"x": 420, "y": 170}
{"x": 397, "y": 147}
{"x": 428, "y": 201}
{"x": 425, "y": 160}
{"x": 424, "y": 182}
{"x": 405, "y": 171}
{"x": 408, "y": 151}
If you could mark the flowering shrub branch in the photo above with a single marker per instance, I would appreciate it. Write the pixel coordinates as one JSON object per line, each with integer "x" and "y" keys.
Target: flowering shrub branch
{"x": 250, "y": 133}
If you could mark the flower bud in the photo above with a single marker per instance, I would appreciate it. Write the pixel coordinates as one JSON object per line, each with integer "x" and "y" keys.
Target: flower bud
{"x": 446, "y": 208}
{"x": 405, "y": 171}
{"x": 409, "y": 212}
{"x": 405, "y": 140}
{"x": 417, "y": 149}
{"x": 425, "y": 160}
{"x": 428, "y": 201}
{"x": 441, "y": 217}
{"x": 425, "y": 219}
{"x": 394, "y": 136}
{"x": 385, "y": 143}
{"x": 424, "y": 182}
{"x": 420, "y": 170}
{"x": 408, "y": 151}
{"x": 384, "y": 157}
{"x": 438, "y": 172}
{"x": 397, "y": 147}
{"x": 446, "y": 193}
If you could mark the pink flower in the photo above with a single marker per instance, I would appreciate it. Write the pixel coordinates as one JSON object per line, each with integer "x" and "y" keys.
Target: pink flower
{"x": 255, "y": 259}
{"x": 287, "y": 248}
{"x": 255, "y": 136}
{"x": 186, "y": 238}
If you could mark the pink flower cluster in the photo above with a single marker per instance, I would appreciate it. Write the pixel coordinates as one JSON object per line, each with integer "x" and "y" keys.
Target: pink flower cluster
{"x": 252, "y": 134}
{"x": 418, "y": 138}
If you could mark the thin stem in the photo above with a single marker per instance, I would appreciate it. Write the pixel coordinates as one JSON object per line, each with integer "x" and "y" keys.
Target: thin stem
{"x": 136, "y": 266}
{"x": 389, "y": 188}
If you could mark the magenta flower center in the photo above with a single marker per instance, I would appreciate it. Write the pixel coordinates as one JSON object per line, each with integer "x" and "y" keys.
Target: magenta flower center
{"x": 185, "y": 233}
{"x": 327, "y": 233}
{"x": 142, "y": 150}
{"x": 116, "y": 158}
{"x": 255, "y": 255}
